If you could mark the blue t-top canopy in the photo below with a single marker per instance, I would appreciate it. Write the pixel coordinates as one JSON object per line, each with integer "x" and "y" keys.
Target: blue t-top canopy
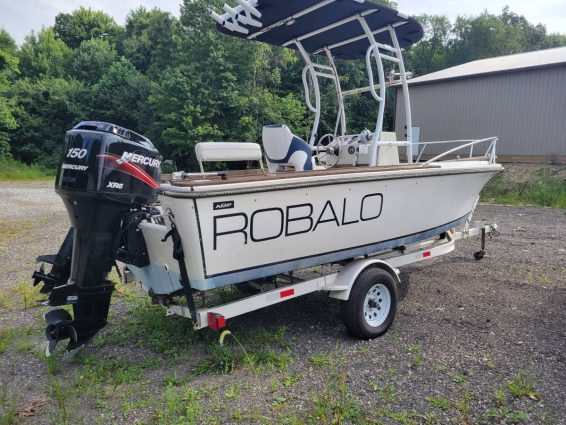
{"x": 323, "y": 23}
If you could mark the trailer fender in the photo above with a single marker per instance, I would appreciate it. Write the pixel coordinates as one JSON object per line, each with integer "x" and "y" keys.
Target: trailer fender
{"x": 347, "y": 276}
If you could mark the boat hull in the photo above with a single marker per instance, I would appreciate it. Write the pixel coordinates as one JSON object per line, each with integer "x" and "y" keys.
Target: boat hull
{"x": 232, "y": 235}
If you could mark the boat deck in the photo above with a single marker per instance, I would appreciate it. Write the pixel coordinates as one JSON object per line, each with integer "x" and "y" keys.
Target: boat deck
{"x": 246, "y": 176}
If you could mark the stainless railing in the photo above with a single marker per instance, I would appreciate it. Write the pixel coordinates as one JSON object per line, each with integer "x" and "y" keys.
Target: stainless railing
{"x": 489, "y": 154}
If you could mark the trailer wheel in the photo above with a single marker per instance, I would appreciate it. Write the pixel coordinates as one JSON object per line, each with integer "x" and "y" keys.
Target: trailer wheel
{"x": 372, "y": 305}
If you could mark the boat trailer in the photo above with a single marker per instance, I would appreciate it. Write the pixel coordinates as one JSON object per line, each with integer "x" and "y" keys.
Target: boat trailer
{"x": 339, "y": 285}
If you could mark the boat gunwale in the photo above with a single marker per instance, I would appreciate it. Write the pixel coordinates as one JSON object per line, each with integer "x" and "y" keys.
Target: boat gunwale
{"x": 297, "y": 180}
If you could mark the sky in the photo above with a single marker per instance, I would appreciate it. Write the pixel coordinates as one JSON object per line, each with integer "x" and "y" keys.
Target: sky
{"x": 20, "y": 17}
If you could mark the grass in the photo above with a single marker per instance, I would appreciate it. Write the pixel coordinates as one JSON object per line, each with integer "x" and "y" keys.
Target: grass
{"x": 17, "y": 338}
{"x": 335, "y": 404}
{"x": 387, "y": 393}
{"x": 11, "y": 170}
{"x": 8, "y": 406}
{"x": 416, "y": 351}
{"x": 439, "y": 402}
{"x": 112, "y": 371}
{"x": 506, "y": 415}
{"x": 178, "y": 407}
{"x": 521, "y": 386}
{"x": 319, "y": 360}
{"x": 545, "y": 191}
{"x": 22, "y": 296}
{"x": 149, "y": 328}
{"x": 464, "y": 407}
{"x": 60, "y": 395}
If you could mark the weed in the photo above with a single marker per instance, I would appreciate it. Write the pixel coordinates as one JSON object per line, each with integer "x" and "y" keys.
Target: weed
{"x": 319, "y": 360}
{"x": 8, "y": 407}
{"x": 429, "y": 418}
{"x": 335, "y": 404}
{"x": 463, "y": 404}
{"x": 11, "y": 170}
{"x": 270, "y": 360}
{"x": 393, "y": 336}
{"x": 7, "y": 337}
{"x": 363, "y": 350}
{"x": 60, "y": 396}
{"x": 520, "y": 386}
{"x": 265, "y": 337}
{"x": 499, "y": 396}
{"x": 291, "y": 380}
{"x": 22, "y": 296}
{"x": 233, "y": 392}
{"x": 404, "y": 418}
{"x": 261, "y": 356}
{"x": 416, "y": 351}
{"x": 439, "y": 402}
{"x": 504, "y": 414}
{"x": 112, "y": 372}
{"x": 438, "y": 367}
{"x": 458, "y": 377}
{"x": 390, "y": 372}
{"x": 547, "y": 419}
{"x": 386, "y": 393}
{"x": 546, "y": 191}
{"x": 150, "y": 328}
{"x": 178, "y": 409}
{"x": 279, "y": 402}
{"x": 138, "y": 403}
{"x": 24, "y": 345}
{"x": 53, "y": 365}
{"x": 175, "y": 380}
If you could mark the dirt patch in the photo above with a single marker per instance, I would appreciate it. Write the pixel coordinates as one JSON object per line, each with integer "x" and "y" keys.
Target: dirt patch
{"x": 473, "y": 342}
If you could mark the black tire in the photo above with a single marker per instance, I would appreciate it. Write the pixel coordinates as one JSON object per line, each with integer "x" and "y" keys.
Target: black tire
{"x": 353, "y": 309}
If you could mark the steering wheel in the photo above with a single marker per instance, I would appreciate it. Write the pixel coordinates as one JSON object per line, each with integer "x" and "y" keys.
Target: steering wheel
{"x": 327, "y": 152}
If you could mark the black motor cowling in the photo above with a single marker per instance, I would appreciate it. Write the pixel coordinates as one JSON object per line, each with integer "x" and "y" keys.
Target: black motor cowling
{"x": 106, "y": 175}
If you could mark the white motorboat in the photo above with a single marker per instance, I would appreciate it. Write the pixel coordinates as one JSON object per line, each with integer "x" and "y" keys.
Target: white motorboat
{"x": 353, "y": 198}
{"x": 334, "y": 198}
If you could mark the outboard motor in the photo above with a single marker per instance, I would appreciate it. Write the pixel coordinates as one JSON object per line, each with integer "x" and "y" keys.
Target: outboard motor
{"x": 107, "y": 179}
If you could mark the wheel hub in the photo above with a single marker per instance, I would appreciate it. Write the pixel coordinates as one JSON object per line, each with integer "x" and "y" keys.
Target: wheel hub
{"x": 377, "y": 305}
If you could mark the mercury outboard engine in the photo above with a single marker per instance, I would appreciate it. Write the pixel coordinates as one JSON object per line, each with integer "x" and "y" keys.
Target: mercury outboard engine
{"x": 107, "y": 179}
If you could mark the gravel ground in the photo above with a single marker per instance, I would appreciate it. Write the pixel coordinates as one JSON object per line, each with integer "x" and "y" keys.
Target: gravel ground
{"x": 464, "y": 331}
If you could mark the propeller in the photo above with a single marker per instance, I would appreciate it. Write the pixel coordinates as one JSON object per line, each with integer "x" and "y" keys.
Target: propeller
{"x": 59, "y": 327}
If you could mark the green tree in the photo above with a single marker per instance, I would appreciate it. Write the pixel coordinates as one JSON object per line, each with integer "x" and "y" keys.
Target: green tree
{"x": 46, "y": 108}
{"x": 43, "y": 55}
{"x": 149, "y": 39}
{"x": 8, "y": 73}
{"x": 85, "y": 24}
{"x": 224, "y": 88}
{"x": 92, "y": 59}
{"x": 121, "y": 97}
{"x": 429, "y": 54}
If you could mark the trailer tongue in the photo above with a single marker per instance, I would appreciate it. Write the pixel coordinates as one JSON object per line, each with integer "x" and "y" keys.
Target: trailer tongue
{"x": 108, "y": 174}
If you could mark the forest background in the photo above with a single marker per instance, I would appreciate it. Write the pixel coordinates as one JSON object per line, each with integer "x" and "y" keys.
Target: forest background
{"x": 179, "y": 81}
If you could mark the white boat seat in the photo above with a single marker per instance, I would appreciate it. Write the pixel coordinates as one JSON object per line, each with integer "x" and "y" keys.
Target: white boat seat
{"x": 283, "y": 148}
{"x": 227, "y": 151}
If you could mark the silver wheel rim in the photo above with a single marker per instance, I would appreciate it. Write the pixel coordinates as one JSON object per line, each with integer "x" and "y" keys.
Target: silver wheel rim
{"x": 377, "y": 305}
